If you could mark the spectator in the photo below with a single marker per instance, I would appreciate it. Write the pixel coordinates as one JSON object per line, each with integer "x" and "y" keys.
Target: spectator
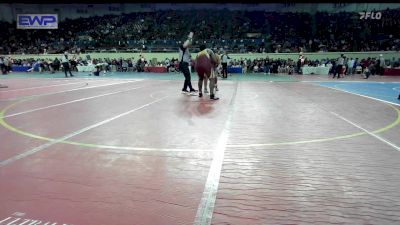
{"x": 339, "y": 66}
{"x": 2, "y": 65}
{"x": 381, "y": 65}
{"x": 65, "y": 63}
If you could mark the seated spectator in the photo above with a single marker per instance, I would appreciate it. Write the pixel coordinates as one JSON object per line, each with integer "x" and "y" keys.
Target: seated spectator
{"x": 367, "y": 73}
{"x": 167, "y": 64}
{"x": 124, "y": 66}
{"x": 96, "y": 71}
{"x": 255, "y": 69}
{"x": 290, "y": 70}
{"x": 359, "y": 69}
{"x": 130, "y": 66}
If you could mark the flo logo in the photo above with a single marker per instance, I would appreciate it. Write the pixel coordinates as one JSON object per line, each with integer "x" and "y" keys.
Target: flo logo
{"x": 370, "y": 15}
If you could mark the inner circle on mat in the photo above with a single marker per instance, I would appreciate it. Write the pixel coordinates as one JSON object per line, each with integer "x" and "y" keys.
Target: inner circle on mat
{"x": 326, "y": 139}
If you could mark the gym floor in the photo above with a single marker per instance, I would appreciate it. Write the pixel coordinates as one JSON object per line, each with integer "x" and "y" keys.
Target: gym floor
{"x": 130, "y": 149}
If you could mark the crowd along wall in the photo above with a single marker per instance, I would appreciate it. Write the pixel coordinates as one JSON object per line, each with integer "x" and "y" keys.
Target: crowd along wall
{"x": 163, "y": 56}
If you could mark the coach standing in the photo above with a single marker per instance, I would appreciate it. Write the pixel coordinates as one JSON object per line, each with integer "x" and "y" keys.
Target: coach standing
{"x": 65, "y": 63}
{"x": 184, "y": 59}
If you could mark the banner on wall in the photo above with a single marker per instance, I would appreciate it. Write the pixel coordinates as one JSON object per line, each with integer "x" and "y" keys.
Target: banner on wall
{"x": 37, "y": 21}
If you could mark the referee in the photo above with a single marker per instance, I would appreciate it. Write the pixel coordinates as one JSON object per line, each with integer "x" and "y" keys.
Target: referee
{"x": 184, "y": 59}
{"x": 224, "y": 62}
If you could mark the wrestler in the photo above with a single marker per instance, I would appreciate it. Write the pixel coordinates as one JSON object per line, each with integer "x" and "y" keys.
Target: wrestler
{"x": 206, "y": 62}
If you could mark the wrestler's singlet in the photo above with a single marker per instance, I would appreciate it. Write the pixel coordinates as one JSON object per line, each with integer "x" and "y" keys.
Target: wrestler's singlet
{"x": 203, "y": 64}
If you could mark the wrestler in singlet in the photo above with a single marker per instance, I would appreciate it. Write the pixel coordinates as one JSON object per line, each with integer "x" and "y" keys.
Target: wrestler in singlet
{"x": 203, "y": 64}
{"x": 206, "y": 60}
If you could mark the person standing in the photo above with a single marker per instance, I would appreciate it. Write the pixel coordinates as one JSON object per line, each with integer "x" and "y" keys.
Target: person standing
{"x": 2, "y": 67}
{"x": 300, "y": 63}
{"x": 355, "y": 65}
{"x": 65, "y": 63}
{"x": 224, "y": 62}
{"x": 206, "y": 62}
{"x": 382, "y": 65}
{"x": 350, "y": 65}
{"x": 5, "y": 67}
{"x": 339, "y": 67}
{"x": 184, "y": 60}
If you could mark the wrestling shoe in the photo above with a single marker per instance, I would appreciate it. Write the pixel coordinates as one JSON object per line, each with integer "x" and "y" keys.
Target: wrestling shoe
{"x": 212, "y": 97}
{"x": 193, "y": 92}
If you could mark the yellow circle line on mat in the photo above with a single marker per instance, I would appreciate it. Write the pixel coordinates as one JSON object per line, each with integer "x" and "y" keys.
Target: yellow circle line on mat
{"x": 27, "y": 134}
{"x": 390, "y": 126}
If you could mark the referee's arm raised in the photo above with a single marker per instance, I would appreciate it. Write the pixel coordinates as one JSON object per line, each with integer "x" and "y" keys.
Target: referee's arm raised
{"x": 188, "y": 42}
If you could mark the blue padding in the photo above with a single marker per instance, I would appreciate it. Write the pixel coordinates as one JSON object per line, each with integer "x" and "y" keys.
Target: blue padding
{"x": 234, "y": 69}
{"x": 20, "y": 68}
